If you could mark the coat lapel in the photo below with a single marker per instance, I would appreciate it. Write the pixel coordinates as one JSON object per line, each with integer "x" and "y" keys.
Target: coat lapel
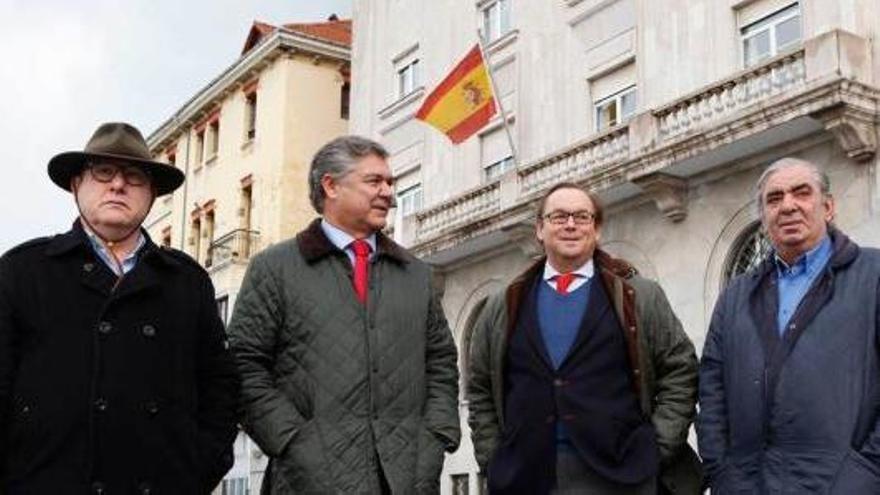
{"x": 528, "y": 317}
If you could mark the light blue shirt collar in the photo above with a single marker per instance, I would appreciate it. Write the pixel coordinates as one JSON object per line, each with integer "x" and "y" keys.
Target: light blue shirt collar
{"x": 795, "y": 280}
{"x": 127, "y": 264}
{"x": 809, "y": 262}
{"x": 343, "y": 240}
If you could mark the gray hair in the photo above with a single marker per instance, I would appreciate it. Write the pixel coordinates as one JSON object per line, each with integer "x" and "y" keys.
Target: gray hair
{"x": 819, "y": 176}
{"x": 336, "y": 159}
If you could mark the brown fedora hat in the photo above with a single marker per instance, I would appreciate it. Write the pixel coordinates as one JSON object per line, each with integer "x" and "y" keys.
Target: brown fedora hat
{"x": 118, "y": 141}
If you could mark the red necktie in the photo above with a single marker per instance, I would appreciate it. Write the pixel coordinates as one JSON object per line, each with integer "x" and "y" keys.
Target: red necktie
{"x": 361, "y": 267}
{"x": 563, "y": 280}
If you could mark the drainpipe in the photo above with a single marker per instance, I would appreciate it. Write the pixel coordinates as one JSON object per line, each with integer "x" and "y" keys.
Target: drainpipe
{"x": 185, "y": 186}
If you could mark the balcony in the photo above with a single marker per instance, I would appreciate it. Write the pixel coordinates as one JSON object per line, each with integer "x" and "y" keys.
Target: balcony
{"x": 825, "y": 86}
{"x": 234, "y": 247}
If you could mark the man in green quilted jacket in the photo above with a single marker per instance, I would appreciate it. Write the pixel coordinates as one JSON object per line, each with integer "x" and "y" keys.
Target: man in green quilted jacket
{"x": 350, "y": 380}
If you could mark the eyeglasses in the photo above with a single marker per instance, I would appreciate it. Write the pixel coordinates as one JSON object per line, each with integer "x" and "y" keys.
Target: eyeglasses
{"x": 579, "y": 217}
{"x": 132, "y": 175}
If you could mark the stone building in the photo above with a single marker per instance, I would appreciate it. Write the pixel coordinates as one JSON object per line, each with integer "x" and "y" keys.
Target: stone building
{"x": 245, "y": 142}
{"x": 670, "y": 109}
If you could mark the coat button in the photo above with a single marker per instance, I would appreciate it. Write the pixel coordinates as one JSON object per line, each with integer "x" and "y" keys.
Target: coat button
{"x": 558, "y": 382}
{"x": 149, "y": 331}
{"x": 632, "y": 328}
{"x": 101, "y": 404}
{"x": 87, "y": 267}
{"x": 152, "y": 407}
{"x": 144, "y": 488}
{"x": 105, "y": 327}
{"x": 98, "y": 488}
{"x": 637, "y": 372}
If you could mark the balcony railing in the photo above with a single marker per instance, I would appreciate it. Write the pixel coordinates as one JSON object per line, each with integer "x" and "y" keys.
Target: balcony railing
{"x": 729, "y": 96}
{"x": 815, "y": 81}
{"x": 235, "y": 246}
{"x": 461, "y": 209}
{"x": 575, "y": 160}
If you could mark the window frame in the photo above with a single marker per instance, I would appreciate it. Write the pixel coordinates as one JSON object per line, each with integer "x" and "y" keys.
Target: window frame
{"x": 408, "y": 78}
{"x": 617, "y": 100}
{"x": 503, "y": 166}
{"x": 495, "y": 19}
{"x": 403, "y": 195}
{"x": 250, "y": 116}
{"x": 769, "y": 23}
{"x": 212, "y": 141}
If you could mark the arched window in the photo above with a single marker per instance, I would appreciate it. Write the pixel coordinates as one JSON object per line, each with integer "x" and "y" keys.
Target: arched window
{"x": 751, "y": 249}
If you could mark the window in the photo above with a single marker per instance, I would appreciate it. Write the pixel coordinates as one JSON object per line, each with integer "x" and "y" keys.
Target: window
{"x": 408, "y": 78}
{"x": 200, "y": 146}
{"x": 344, "y": 97}
{"x": 771, "y": 35}
{"x": 495, "y": 152}
{"x": 223, "y": 309}
{"x": 752, "y": 248}
{"x": 496, "y": 19}
{"x": 208, "y": 232}
{"x": 195, "y": 235}
{"x": 497, "y": 169}
{"x": 213, "y": 138}
{"x": 483, "y": 484}
{"x": 172, "y": 159}
{"x": 235, "y": 486}
{"x": 615, "y": 109}
{"x": 250, "y": 115}
{"x": 246, "y": 205}
{"x": 409, "y": 200}
{"x": 460, "y": 484}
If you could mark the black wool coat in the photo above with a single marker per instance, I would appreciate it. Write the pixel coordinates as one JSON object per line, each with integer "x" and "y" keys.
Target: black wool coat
{"x": 107, "y": 385}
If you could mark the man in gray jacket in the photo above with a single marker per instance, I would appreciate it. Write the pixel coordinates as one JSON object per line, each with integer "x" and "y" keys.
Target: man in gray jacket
{"x": 349, "y": 372}
{"x": 790, "y": 374}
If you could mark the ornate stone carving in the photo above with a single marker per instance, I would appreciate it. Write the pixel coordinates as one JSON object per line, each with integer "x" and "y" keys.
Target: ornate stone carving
{"x": 668, "y": 192}
{"x": 854, "y": 129}
{"x": 522, "y": 234}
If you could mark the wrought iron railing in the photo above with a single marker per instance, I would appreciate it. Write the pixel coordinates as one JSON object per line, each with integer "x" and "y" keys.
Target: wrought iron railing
{"x": 237, "y": 245}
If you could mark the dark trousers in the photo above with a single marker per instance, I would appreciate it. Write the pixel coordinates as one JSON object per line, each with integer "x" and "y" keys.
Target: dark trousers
{"x": 574, "y": 477}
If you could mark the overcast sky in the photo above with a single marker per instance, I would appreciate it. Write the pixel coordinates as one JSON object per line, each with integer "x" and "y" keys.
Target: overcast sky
{"x": 65, "y": 67}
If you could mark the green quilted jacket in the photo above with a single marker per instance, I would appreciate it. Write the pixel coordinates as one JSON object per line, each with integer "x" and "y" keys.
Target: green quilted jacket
{"x": 331, "y": 388}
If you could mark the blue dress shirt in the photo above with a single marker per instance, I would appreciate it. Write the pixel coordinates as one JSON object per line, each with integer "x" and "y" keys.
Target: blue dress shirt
{"x": 793, "y": 281}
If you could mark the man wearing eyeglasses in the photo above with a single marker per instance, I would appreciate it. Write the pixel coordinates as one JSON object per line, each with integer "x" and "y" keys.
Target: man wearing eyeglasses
{"x": 114, "y": 371}
{"x": 581, "y": 377}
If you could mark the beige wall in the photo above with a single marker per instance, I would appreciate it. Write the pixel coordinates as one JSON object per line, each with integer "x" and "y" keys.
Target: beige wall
{"x": 298, "y": 110}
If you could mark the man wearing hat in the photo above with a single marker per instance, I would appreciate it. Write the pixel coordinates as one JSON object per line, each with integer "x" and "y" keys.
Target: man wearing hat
{"x": 114, "y": 371}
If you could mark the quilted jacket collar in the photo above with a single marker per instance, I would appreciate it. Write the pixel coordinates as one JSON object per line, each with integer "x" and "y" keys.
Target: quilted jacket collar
{"x": 314, "y": 245}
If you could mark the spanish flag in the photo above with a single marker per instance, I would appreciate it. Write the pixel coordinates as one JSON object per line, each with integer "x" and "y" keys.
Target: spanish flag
{"x": 463, "y": 103}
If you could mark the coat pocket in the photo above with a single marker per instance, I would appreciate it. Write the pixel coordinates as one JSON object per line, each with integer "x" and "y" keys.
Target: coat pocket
{"x": 730, "y": 480}
{"x": 431, "y": 454}
{"x": 21, "y": 436}
{"x": 856, "y": 476}
{"x": 300, "y": 467}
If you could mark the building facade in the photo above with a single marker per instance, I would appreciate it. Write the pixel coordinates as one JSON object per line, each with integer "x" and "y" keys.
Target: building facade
{"x": 245, "y": 142}
{"x": 669, "y": 109}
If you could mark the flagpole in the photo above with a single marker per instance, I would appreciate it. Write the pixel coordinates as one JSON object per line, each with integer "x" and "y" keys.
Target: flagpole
{"x": 497, "y": 96}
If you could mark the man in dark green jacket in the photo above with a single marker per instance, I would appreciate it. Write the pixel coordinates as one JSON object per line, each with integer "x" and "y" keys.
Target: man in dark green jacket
{"x": 349, "y": 372}
{"x": 581, "y": 377}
